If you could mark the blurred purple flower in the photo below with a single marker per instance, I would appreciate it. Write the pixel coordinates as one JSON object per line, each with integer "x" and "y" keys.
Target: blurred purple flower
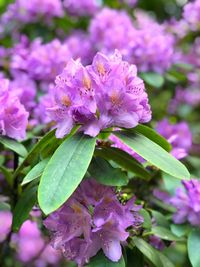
{"x": 191, "y": 14}
{"x": 91, "y": 220}
{"x": 82, "y": 8}
{"x": 111, "y": 29}
{"x": 30, "y": 11}
{"x": 152, "y": 47}
{"x": 105, "y": 94}
{"x": 80, "y": 46}
{"x": 5, "y": 224}
{"x": 187, "y": 203}
{"x": 156, "y": 242}
{"x": 13, "y": 116}
{"x": 178, "y": 135}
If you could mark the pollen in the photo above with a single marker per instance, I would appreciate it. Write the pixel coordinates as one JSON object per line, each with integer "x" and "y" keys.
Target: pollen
{"x": 66, "y": 101}
{"x": 115, "y": 99}
{"x": 100, "y": 68}
{"x": 76, "y": 208}
{"x": 87, "y": 82}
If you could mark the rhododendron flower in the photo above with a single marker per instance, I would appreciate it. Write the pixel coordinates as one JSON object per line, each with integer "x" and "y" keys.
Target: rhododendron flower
{"x": 5, "y": 224}
{"x": 29, "y": 11}
{"x": 191, "y": 14}
{"x": 178, "y": 135}
{"x": 105, "y": 94}
{"x": 82, "y": 8}
{"x": 92, "y": 219}
{"x": 187, "y": 203}
{"x": 13, "y": 116}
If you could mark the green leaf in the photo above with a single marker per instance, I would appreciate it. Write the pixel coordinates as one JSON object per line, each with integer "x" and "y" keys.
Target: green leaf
{"x": 100, "y": 260}
{"x": 4, "y": 206}
{"x": 160, "y": 219}
{"x": 35, "y": 151}
{"x": 193, "y": 247}
{"x": 64, "y": 171}
{"x": 165, "y": 260}
{"x": 147, "y": 219}
{"x": 14, "y": 146}
{"x": 179, "y": 229}
{"x": 153, "y": 136}
{"x": 35, "y": 172}
{"x": 170, "y": 183}
{"x": 153, "y": 79}
{"x": 24, "y": 206}
{"x": 148, "y": 251}
{"x": 7, "y": 174}
{"x": 164, "y": 233}
{"x": 124, "y": 160}
{"x": 153, "y": 153}
{"x": 105, "y": 174}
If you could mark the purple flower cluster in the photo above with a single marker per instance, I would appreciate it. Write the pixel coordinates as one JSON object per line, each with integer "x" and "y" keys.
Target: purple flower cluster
{"x": 187, "y": 203}
{"x": 40, "y": 61}
{"x": 191, "y": 14}
{"x": 82, "y": 8}
{"x": 92, "y": 219}
{"x": 105, "y": 94}
{"x": 152, "y": 48}
{"x": 30, "y": 11}
{"x": 178, "y": 135}
{"x": 111, "y": 29}
{"x": 189, "y": 96}
{"x": 142, "y": 41}
{"x": 13, "y": 115}
{"x": 80, "y": 46}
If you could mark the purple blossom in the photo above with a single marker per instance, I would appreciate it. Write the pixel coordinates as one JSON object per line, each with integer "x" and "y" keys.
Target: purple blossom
{"x": 80, "y": 46}
{"x": 25, "y": 89}
{"x": 92, "y": 220}
{"x": 30, "y": 245}
{"x": 5, "y": 224}
{"x": 105, "y": 94}
{"x": 130, "y": 3}
{"x": 13, "y": 116}
{"x": 46, "y": 61}
{"x": 189, "y": 96}
{"x": 152, "y": 47}
{"x": 111, "y": 29}
{"x": 30, "y": 11}
{"x": 156, "y": 242}
{"x": 82, "y": 8}
{"x": 187, "y": 203}
{"x": 40, "y": 61}
{"x": 191, "y": 14}
{"x": 178, "y": 135}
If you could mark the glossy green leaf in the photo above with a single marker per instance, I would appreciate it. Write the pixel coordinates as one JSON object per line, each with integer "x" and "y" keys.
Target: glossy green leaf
{"x": 153, "y": 153}
{"x": 105, "y": 174}
{"x": 148, "y": 251}
{"x": 7, "y": 174}
{"x": 164, "y": 233}
{"x": 147, "y": 219}
{"x": 13, "y": 145}
{"x": 153, "y": 79}
{"x": 179, "y": 229}
{"x": 153, "y": 136}
{"x": 64, "y": 171}
{"x": 23, "y": 207}
{"x": 124, "y": 160}
{"x": 100, "y": 260}
{"x": 38, "y": 147}
{"x": 161, "y": 220}
{"x": 165, "y": 260}
{"x": 35, "y": 172}
{"x": 193, "y": 247}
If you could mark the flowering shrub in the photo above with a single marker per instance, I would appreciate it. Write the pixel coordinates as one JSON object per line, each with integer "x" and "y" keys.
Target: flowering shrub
{"x": 99, "y": 133}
